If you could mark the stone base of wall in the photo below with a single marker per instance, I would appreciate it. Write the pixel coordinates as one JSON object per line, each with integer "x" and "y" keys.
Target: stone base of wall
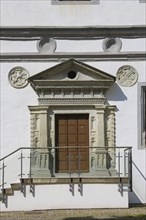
{"x": 66, "y": 196}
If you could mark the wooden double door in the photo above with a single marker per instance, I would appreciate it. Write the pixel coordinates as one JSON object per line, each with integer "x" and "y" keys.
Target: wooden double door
{"x": 72, "y": 141}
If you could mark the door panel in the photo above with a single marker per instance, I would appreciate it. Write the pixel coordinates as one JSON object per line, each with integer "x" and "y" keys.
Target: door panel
{"x": 72, "y": 133}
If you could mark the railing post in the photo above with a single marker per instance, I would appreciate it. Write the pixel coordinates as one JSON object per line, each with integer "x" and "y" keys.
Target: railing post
{"x": 71, "y": 185}
{"x": 23, "y": 187}
{"x": 130, "y": 168}
{"x": 119, "y": 173}
{"x": 80, "y": 186}
{"x": 31, "y": 185}
{"x": 4, "y": 197}
{"x": 125, "y": 163}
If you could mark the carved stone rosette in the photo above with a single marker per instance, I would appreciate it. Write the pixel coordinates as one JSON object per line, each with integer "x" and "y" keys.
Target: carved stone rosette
{"x": 18, "y": 77}
{"x": 127, "y": 76}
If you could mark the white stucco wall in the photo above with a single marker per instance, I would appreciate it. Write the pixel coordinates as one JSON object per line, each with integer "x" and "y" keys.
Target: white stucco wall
{"x": 15, "y": 119}
{"x": 93, "y": 45}
{"x": 42, "y": 13}
{"x": 93, "y": 197}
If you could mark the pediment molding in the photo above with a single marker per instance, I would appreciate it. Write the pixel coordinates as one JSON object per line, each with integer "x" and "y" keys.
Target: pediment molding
{"x": 56, "y": 77}
{"x": 53, "y": 87}
{"x": 68, "y": 65}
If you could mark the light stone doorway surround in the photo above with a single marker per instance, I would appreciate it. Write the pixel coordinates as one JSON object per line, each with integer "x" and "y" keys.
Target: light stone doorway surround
{"x": 82, "y": 93}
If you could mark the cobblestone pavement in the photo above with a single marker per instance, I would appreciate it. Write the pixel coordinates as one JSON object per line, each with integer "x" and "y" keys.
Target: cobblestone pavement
{"x": 134, "y": 213}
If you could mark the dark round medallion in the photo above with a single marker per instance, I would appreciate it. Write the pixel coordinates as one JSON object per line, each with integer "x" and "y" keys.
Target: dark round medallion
{"x": 72, "y": 74}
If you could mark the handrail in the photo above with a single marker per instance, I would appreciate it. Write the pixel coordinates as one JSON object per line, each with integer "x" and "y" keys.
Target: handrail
{"x": 13, "y": 152}
{"x": 56, "y": 147}
{"x": 116, "y": 162}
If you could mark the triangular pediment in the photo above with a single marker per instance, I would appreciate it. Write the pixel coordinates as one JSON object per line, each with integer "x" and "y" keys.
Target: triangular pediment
{"x": 64, "y": 72}
{"x": 71, "y": 82}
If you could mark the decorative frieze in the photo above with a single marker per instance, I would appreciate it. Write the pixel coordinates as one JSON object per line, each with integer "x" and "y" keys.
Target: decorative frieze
{"x": 68, "y": 101}
{"x": 71, "y": 95}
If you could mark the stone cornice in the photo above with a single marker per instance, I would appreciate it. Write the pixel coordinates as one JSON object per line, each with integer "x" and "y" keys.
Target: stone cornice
{"x": 74, "y": 84}
{"x": 89, "y": 56}
{"x": 96, "y": 32}
{"x": 38, "y": 108}
{"x": 71, "y": 101}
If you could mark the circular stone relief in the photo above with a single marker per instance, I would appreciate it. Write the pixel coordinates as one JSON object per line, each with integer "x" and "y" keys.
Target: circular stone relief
{"x": 112, "y": 45}
{"x": 127, "y": 76}
{"x": 18, "y": 77}
{"x": 46, "y": 45}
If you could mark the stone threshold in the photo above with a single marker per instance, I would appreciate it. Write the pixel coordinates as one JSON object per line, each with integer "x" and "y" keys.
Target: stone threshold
{"x": 60, "y": 180}
{"x": 76, "y": 180}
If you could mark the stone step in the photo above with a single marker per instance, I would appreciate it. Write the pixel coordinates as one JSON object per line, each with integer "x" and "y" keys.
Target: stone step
{"x": 62, "y": 180}
{"x": 16, "y": 186}
{"x": 8, "y": 191}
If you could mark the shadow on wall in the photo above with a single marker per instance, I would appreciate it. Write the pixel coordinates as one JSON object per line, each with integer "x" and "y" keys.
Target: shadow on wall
{"x": 115, "y": 93}
{"x": 133, "y": 198}
{"x": 139, "y": 171}
{"x": 138, "y": 217}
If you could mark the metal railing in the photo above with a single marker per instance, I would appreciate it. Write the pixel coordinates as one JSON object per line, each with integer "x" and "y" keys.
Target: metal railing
{"x": 66, "y": 161}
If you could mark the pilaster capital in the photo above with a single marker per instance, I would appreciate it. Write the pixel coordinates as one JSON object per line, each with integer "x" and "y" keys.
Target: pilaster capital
{"x": 111, "y": 107}
{"x": 100, "y": 109}
{"x": 38, "y": 109}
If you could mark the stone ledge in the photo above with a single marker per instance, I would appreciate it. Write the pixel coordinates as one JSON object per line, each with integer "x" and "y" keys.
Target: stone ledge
{"x": 76, "y": 180}
{"x": 88, "y": 56}
{"x": 96, "y": 32}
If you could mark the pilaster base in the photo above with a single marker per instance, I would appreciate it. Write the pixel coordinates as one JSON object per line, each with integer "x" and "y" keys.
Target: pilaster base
{"x": 41, "y": 173}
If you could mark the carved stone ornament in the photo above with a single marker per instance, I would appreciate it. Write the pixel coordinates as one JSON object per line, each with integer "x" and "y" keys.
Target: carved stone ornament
{"x": 127, "y": 76}
{"x": 18, "y": 77}
{"x": 112, "y": 45}
{"x": 46, "y": 45}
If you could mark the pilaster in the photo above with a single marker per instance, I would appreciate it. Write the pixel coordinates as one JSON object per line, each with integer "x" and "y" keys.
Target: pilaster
{"x": 39, "y": 139}
{"x": 100, "y": 111}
